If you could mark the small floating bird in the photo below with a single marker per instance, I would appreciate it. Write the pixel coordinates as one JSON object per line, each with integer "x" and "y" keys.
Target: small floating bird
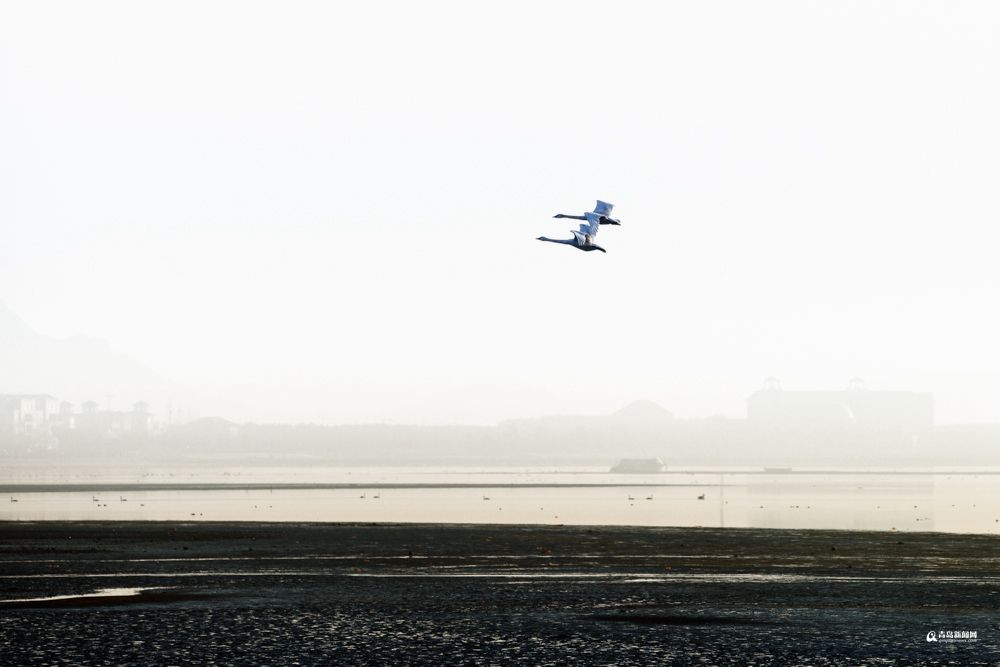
{"x": 602, "y": 211}
{"x": 584, "y": 238}
{"x": 702, "y": 497}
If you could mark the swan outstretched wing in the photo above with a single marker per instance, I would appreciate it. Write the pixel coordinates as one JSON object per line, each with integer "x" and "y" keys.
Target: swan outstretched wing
{"x": 603, "y": 208}
{"x": 593, "y": 224}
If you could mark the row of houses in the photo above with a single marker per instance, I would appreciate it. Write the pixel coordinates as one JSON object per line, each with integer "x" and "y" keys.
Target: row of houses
{"x": 43, "y": 420}
{"x": 776, "y": 420}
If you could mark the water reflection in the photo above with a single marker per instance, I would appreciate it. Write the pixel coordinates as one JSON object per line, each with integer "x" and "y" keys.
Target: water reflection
{"x": 100, "y": 593}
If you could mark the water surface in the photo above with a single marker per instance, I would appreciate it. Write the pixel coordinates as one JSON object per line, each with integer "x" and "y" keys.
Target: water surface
{"x": 951, "y": 501}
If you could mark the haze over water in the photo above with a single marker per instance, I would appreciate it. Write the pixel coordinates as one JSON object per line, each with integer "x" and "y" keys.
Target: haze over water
{"x": 248, "y": 234}
{"x": 862, "y": 500}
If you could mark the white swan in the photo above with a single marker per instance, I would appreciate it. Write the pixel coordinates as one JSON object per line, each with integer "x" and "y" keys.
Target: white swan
{"x": 603, "y": 210}
{"x": 583, "y": 239}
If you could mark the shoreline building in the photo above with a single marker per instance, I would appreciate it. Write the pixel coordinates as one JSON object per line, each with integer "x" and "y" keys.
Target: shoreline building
{"x": 902, "y": 418}
{"x": 29, "y": 418}
{"x": 113, "y": 424}
{"x": 40, "y": 420}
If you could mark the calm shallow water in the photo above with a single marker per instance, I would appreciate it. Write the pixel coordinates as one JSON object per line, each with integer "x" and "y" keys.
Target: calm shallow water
{"x": 946, "y": 502}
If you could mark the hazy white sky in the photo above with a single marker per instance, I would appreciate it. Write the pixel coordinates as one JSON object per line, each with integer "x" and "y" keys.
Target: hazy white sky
{"x": 327, "y": 211}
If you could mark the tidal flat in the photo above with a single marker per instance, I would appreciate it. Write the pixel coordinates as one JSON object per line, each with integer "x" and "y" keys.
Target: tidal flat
{"x": 315, "y": 593}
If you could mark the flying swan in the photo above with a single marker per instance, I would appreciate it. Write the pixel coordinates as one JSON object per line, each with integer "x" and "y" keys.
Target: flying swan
{"x": 584, "y": 238}
{"x": 603, "y": 209}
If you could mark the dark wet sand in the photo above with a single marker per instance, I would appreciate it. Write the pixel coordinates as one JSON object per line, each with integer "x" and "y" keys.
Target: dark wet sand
{"x": 243, "y": 593}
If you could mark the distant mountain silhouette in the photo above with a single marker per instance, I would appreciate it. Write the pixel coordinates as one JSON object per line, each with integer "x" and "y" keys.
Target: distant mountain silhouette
{"x": 76, "y": 369}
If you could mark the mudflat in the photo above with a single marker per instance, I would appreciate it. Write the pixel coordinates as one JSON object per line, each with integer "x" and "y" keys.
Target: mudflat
{"x": 280, "y": 593}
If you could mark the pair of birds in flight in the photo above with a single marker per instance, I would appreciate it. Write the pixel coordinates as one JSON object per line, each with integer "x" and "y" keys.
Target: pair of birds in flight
{"x": 584, "y": 238}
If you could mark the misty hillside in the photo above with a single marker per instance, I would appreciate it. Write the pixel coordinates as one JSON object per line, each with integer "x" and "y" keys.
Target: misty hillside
{"x": 77, "y": 368}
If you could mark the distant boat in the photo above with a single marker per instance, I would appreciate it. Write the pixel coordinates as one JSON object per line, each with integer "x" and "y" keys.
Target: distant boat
{"x": 634, "y": 466}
